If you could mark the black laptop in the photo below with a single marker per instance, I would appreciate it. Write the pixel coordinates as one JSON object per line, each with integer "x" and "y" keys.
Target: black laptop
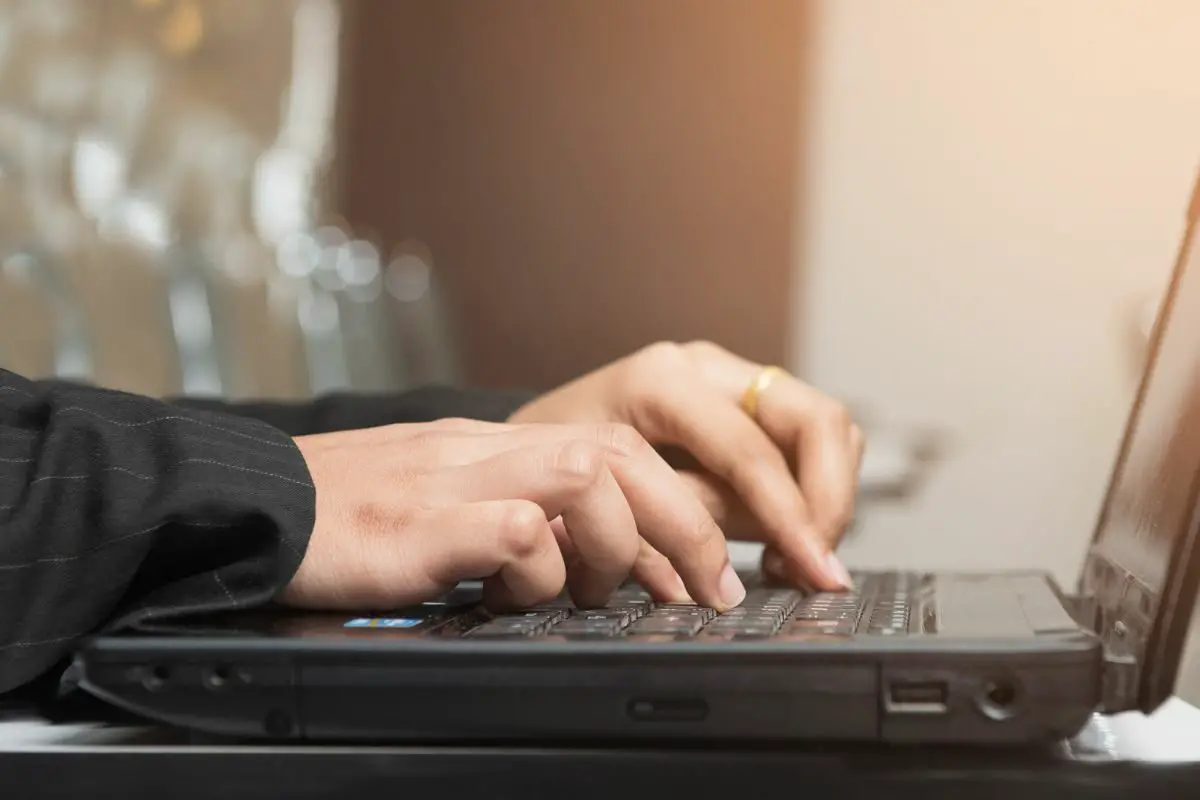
{"x": 906, "y": 657}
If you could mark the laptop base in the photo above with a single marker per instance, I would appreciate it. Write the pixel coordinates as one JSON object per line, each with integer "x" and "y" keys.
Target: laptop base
{"x": 1014, "y": 667}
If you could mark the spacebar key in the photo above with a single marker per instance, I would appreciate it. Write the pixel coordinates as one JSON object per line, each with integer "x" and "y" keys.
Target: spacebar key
{"x": 495, "y": 630}
{"x": 588, "y": 627}
{"x": 648, "y": 626}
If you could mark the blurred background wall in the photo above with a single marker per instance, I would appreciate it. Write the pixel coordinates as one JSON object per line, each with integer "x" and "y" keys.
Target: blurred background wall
{"x": 952, "y": 215}
{"x": 998, "y": 190}
{"x": 589, "y": 176}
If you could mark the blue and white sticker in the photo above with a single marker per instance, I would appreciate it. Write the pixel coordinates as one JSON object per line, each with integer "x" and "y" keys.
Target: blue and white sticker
{"x": 383, "y": 622}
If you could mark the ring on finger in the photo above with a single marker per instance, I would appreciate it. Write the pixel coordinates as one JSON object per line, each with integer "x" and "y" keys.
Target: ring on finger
{"x": 762, "y": 381}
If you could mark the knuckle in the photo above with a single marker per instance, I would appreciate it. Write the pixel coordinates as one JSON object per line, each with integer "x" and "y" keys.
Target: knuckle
{"x": 457, "y": 424}
{"x": 648, "y": 366}
{"x": 428, "y": 443}
{"x": 707, "y": 533}
{"x": 702, "y": 348}
{"x": 835, "y": 413}
{"x": 522, "y": 527}
{"x": 623, "y": 438}
{"x": 661, "y": 353}
{"x": 579, "y": 463}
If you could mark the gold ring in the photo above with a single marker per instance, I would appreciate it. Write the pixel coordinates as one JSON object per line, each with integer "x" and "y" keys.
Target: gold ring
{"x": 761, "y": 381}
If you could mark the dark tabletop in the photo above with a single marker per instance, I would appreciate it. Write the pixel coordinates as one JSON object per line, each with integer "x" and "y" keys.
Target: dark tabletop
{"x": 1128, "y": 756}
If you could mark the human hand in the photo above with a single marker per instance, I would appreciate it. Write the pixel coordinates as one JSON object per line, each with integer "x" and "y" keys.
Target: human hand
{"x": 785, "y": 475}
{"x": 405, "y": 512}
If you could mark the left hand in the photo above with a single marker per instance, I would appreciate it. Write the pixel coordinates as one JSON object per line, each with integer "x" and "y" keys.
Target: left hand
{"x": 786, "y": 477}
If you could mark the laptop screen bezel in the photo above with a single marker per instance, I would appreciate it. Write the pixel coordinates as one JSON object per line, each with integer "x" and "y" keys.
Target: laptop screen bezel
{"x": 1161, "y": 652}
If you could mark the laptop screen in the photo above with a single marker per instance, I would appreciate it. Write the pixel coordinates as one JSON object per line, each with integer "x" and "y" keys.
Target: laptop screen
{"x": 1151, "y": 494}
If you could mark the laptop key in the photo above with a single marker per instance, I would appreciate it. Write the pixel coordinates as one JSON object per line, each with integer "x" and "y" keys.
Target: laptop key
{"x": 549, "y": 615}
{"x": 680, "y": 609}
{"x": 742, "y": 623}
{"x": 533, "y": 616}
{"x": 681, "y": 625}
{"x": 756, "y": 630}
{"x": 819, "y": 626}
{"x": 528, "y": 623}
{"x": 617, "y": 616}
{"x": 588, "y": 628}
{"x": 506, "y": 629}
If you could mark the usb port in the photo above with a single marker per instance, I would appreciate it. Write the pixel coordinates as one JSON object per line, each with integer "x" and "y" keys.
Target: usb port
{"x": 917, "y": 697}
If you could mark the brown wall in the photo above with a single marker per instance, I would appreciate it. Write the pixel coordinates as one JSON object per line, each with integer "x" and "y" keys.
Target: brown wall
{"x": 590, "y": 176}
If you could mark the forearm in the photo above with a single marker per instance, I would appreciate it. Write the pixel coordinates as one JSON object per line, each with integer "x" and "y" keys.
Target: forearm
{"x": 116, "y": 508}
{"x": 345, "y": 411}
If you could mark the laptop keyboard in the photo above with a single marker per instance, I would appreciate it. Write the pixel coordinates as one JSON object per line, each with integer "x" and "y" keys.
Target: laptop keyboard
{"x": 882, "y": 604}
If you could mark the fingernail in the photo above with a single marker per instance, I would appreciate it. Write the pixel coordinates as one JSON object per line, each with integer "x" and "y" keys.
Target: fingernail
{"x": 838, "y": 570}
{"x": 732, "y": 590}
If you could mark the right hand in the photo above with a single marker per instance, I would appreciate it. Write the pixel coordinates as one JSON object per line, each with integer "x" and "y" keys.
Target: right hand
{"x": 404, "y": 512}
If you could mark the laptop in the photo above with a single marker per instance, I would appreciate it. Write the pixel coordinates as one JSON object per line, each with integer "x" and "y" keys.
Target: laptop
{"x": 920, "y": 657}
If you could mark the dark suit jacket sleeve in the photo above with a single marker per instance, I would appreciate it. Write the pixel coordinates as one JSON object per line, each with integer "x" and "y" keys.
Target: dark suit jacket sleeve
{"x": 116, "y": 509}
{"x": 337, "y": 412}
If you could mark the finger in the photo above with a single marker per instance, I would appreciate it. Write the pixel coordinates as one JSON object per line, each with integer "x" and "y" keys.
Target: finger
{"x": 731, "y": 446}
{"x": 565, "y": 545}
{"x": 819, "y": 432}
{"x": 507, "y": 544}
{"x": 735, "y": 519}
{"x": 672, "y": 520}
{"x": 858, "y": 446}
{"x": 653, "y": 570}
{"x": 655, "y": 573}
{"x": 825, "y": 462}
{"x": 669, "y": 517}
{"x": 568, "y": 479}
{"x": 777, "y": 568}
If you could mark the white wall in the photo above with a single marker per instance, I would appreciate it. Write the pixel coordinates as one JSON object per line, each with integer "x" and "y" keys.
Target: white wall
{"x": 997, "y": 188}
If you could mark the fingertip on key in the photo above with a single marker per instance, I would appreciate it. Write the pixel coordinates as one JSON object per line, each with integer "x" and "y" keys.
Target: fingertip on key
{"x": 733, "y": 592}
{"x": 838, "y": 571}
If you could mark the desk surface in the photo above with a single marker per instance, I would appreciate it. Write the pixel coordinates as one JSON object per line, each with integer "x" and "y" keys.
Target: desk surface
{"x": 1158, "y": 756}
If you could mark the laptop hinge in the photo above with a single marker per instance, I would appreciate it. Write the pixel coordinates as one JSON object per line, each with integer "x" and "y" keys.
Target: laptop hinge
{"x": 1119, "y": 685}
{"x": 1119, "y": 681}
{"x": 1084, "y": 609}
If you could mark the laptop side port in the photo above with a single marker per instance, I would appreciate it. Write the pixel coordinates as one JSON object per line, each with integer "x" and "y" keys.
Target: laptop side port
{"x": 998, "y": 699}
{"x": 917, "y": 697}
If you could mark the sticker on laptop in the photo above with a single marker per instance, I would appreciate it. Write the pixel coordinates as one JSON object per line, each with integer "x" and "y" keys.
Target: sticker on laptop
{"x": 383, "y": 622}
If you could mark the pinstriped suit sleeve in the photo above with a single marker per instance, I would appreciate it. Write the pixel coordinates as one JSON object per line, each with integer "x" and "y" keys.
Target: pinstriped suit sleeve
{"x": 116, "y": 508}
{"x": 339, "y": 412}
